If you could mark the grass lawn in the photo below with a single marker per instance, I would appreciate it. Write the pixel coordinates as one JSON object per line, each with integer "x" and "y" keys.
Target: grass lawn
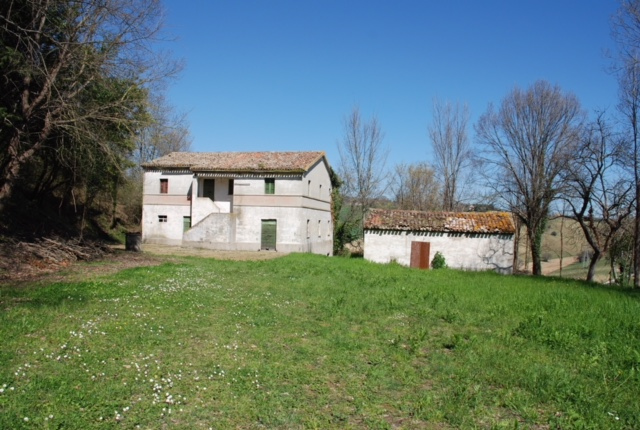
{"x": 313, "y": 342}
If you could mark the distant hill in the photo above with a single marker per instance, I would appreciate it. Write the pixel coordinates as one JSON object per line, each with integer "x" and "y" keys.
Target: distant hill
{"x": 561, "y": 235}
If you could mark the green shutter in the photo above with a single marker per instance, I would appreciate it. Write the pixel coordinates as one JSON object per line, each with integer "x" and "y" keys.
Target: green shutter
{"x": 186, "y": 223}
{"x": 269, "y": 186}
{"x": 268, "y": 240}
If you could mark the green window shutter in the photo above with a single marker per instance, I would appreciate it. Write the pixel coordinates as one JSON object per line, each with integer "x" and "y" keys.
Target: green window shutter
{"x": 186, "y": 223}
{"x": 269, "y": 186}
{"x": 269, "y": 229}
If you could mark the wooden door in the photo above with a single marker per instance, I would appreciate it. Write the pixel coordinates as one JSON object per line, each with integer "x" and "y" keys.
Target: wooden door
{"x": 268, "y": 236}
{"x": 420, "y": 254}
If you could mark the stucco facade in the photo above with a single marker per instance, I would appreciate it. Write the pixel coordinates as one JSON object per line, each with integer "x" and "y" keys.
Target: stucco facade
{"x": 468, "y": 241}
{"x": 239, "y": 201}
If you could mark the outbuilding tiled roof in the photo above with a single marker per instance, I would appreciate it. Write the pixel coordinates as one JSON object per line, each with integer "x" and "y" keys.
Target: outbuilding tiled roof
{"x": 276, "y": 162}
{"x": 458, "y": 222}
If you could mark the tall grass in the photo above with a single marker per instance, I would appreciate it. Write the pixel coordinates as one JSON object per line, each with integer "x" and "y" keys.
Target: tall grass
{"x": 312, "y": 342}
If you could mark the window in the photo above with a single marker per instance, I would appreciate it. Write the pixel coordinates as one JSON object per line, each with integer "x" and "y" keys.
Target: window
{"x": 230, "y": 192}
{"x": 162, "y": 218}
{"x": 209, "y": 188}
{"x": 269, "y": 186}
{"x": 164, "y": 186}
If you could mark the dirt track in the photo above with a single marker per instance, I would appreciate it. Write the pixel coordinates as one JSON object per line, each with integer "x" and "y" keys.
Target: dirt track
{"x": 553, "y": 265}
{"x": 18, "y": 266}
{"x": 207, "y": 253}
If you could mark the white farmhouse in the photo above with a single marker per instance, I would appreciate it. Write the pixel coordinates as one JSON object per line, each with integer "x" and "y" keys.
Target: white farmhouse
{"x": 239, "y": 201}
{"x": 467, "y": 240}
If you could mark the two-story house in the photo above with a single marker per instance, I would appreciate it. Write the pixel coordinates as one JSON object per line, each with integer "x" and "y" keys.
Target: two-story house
{"x": 239, "y": 201}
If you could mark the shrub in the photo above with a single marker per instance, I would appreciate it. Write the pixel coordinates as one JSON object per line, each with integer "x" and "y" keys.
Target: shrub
{"x": 438, "y": 261}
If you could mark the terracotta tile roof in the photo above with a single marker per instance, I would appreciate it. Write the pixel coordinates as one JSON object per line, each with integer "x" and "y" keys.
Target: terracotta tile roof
{"x": 238, "y": 161}
{"x": 459, "y": 222}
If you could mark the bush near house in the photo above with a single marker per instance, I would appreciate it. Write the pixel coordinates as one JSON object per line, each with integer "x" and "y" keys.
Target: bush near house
{"x": 306, "y": 341}
{"x": 438, "y": 261}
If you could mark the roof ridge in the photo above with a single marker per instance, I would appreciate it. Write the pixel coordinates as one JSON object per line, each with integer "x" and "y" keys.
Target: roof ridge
{"x": 462, "y": 222}
{"x": 245, "y": 161}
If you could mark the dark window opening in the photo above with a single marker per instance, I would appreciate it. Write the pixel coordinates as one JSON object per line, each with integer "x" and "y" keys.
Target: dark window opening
{"x": 230, "y": 187}
{"x": 209, "y": 188}
{"x": 164, "y": 186}
{"x": 162, "y": 218}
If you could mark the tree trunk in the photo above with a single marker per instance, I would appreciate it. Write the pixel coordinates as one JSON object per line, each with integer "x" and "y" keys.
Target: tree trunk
{"x": 536, "y": 260}
{"x": 595, "y": 258}
{"x": 636, "y": 241}
{"x": 11, "y": 171}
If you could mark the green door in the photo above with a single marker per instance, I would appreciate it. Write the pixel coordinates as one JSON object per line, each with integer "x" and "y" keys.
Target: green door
{"x": 268, "y": 240}
{"x": 186, "y": 223}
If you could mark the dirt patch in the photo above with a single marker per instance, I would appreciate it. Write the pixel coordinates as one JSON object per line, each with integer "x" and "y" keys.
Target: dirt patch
{"x": 209, "y": 253}
{"x": 56, "y": 261}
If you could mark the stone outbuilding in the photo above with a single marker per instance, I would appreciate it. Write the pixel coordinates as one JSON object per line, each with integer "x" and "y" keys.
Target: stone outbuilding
{"x": 247, "y": 201}
{"x": 467, "y": 240}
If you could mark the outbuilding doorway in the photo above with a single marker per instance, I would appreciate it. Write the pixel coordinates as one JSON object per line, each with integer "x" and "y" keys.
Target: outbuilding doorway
{"x": 420, "y": 254}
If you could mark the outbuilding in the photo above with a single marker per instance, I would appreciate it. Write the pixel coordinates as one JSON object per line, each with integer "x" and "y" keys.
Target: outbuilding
{"x": 467, "y": 240}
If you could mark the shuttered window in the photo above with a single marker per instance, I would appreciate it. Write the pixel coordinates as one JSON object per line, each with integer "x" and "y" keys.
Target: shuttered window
{"x": 269, "y": 186}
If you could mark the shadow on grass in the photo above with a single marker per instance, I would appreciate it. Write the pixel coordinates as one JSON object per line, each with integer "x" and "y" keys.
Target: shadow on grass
{"x": 38, "y": 296}
{"x": 628, "y": 291}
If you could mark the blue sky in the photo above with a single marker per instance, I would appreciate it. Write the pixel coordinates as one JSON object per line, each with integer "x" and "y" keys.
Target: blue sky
{"x": 276, "y": 75}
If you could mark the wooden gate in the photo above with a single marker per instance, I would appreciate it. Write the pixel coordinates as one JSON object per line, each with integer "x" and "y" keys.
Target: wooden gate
{"x": 420, "y": 254}
{"x": 268, "y": 236}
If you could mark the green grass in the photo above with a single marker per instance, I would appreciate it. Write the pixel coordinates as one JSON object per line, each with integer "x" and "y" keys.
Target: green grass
{"x": 312, "y": 342}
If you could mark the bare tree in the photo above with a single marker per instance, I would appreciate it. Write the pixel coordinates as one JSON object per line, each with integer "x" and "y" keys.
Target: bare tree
{"x": 526, "y": 145}
{"x": 77, "y": 69}
{"x": 415, "y": 187}
{"x": 363, "y": 161}
{"x": 626, "y": 33}
{"x": 599, "y": 194}
{"x": 167, "y": 132}
{"x": 451, "y": 148}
